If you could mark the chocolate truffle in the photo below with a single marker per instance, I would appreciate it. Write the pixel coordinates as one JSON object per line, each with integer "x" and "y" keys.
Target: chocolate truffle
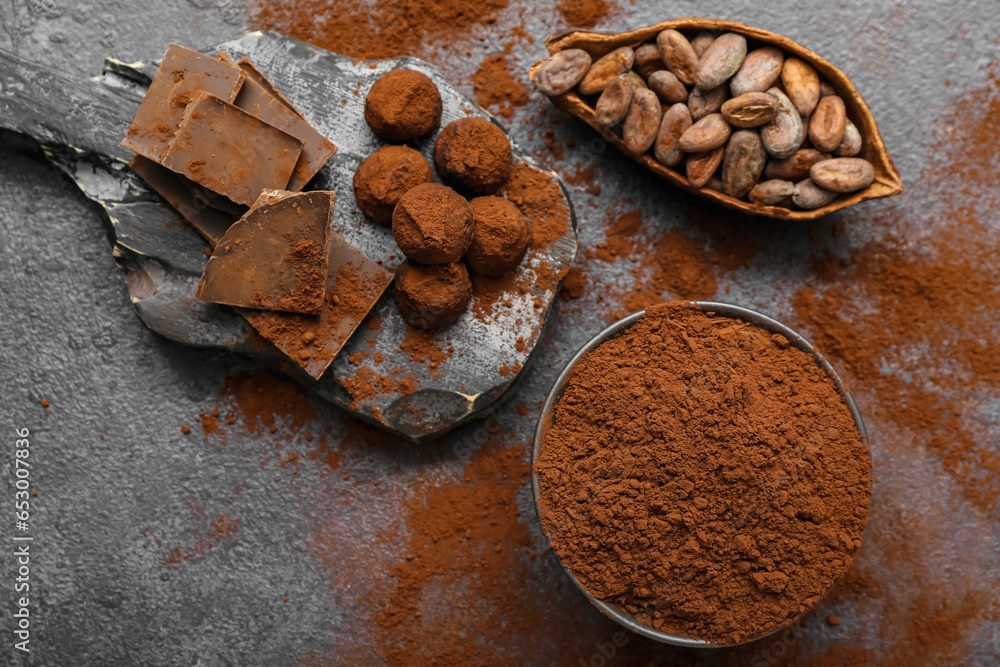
{"x": 403, "y": 105}
{"x": 474, "y": 155}
{"x": 499, "y": 236}
{"x": 432, "y": 296}
{"x": 385, "y": 176}
{"x": 432, "y": 224}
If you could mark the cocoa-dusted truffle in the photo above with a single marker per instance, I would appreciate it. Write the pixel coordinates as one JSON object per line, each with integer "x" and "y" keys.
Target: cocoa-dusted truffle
{"x": 499, "y": 236}
{"x": 403, "y": 105}
{"x": 385, "y": 176}
{"x": 474, "y": 154}
{"x": 432, "y": 296}
{"x": 432, "y": 224}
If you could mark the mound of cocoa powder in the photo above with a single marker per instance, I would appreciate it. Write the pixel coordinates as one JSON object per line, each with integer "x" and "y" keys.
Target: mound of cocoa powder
{"x": 704, "y": 475}
{"x": 403, "y": 105}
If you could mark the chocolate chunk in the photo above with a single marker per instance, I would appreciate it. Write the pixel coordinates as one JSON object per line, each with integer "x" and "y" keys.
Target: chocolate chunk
{"x": 182, "y": 73}
{"x": 255, "y": 74}
{"x": 231, "y": 152}
{"x": 316, "y": 149}
{"x": 176, "y": 191}
{"x": 354, "y": 285}
{"x": 276, "y": 257}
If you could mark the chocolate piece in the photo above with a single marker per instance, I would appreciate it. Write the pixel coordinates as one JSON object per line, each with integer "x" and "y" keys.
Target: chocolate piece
{"x": 385, "y": 176}
{"x": 499, "y": 237}
{"x": 182, "y": 73}
{"x": 276, "y": 257}
{"x": 474, "y": 154}
{"x": 316, "y": 149}
{"x": 230, "y": 151}
{"x": 403, "y": 105}
{"x": 354, "y": 285}
{"x": 255, "y": 74}
{"x": 176, "y": 191}
{"x": 431, "y": 297}
{"x": 432, "y": 224}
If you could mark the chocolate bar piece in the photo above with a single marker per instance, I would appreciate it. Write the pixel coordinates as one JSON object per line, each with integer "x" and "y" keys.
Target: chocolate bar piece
{"x": 276, "y": 257}
{"x": 182, "y": 73}
{"x": 316, "y": 149}
{"x": 177, "y": 191}
{"x": 254, "y": 74}
{"x": 229, "y": 151}
{"x": 354, "y": 285}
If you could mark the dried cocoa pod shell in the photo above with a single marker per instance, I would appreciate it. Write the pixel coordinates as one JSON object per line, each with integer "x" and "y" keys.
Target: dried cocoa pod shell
{"x": 887, "y": 180}
{"x": 605, "y": 69}
{"x": 703, "y": 102}
{"x": 759, "y": 71}
{"x": 842, "y": 174}
{"x": 827, "y": 124}
{"x": 750, "y": 110}
{"x": 676, "y": 121}
{"x": 678, "y": 55}
{"x": 742, "y": 163}
{"x": 642, "y": 121}
{"x": 721, "y": 61}
{"x": 710, "y": 132}
{"x": 702, "y": 166}
{"x": 667, "y": 87}
{"x": 613, "y": 103}
{"x": 561, "y": 71}
{"x": 801, "y": 84}
{"x": 648, "y": 60}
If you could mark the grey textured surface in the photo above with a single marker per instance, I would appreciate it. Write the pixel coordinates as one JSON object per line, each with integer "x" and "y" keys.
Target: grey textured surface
{"x": 109, "y": 510}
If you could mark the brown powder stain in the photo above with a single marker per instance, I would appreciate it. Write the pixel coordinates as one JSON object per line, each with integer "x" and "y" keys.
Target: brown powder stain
{"x": 496, "y": 88}
{"x": 584, "y": 13}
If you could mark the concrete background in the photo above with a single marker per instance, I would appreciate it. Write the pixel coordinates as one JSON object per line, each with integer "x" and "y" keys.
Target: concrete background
{"x": 109, "y": 510}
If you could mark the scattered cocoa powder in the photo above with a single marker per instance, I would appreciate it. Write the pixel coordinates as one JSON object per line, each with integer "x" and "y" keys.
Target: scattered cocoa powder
{"x": 704, "y": 475}
{"x": 495, "y": 87}
{"x": 583, "y": 13}
{"x": 541, "y": 201}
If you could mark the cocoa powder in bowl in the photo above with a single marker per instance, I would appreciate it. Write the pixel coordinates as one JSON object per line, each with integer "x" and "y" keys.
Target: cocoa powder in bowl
{"x": 499, "y": 236}
{"x": 432, "y": 296}
{"x": 432, "y": 224}
{"x": 403, "y": 105}
{"x": 703, "y": 475}
{"x": 474, "y": 155}
{"x": 385, "y": 176}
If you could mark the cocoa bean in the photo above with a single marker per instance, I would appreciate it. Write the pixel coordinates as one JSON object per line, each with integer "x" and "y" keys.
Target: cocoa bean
{"x": 783, "y": 135}
{"x": 648, "y": 60}
{"x": 810, "y": 196}
{"x": 850, "y": 145}
{"x": 642, "y": 122}
{"x": 750, "y": 110}
{"x": 677, "y": 54}
{"x": 742, "y": 163}
{"x": 606, "y": 68}
{"x": 637, "y": 80}
{"x": 796, "y": 167}
{"x": 721, "y": 61}
{"x": 701, "y": 166}
{"x": 708, "y": 133}
{"x": 772, "y": 192}
{"x": 703, "y": 102}
{"x": 667, "y": 87}
{"x": 675, "y": 121}
{"x": 843, "y": 174}
{"x": 826, "y": 89}
{"x": 826, "y": 127}
{"x": 561, "y": 71}
{"x": 760, "y": 69}
{"x": 613, "y": 103}
{"x": 802, "y": 85}
{"x": 701, "y": 42}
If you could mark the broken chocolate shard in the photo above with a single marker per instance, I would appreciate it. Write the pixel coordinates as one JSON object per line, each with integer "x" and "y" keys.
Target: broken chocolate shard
{"x": 252, "y": 73}
{"x": 231, "y": 152}
{"x": 275, "y": 258}
{"x": 182, "y": 73}
{"x": 354, "y": 285}
{"x": 316, "y": 149}
{"x": 176, "y": 190}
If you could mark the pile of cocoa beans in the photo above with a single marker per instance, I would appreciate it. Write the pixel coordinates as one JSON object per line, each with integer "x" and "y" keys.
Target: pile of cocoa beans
{"x": 779, "y": 132}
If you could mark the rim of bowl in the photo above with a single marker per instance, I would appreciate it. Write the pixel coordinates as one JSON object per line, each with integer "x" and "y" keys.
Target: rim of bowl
{"x": 612, "y": 611}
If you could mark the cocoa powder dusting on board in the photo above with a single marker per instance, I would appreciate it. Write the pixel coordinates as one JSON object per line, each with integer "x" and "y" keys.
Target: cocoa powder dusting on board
{"x": 541, "y": 202}
{"x": 495, "y": 87}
